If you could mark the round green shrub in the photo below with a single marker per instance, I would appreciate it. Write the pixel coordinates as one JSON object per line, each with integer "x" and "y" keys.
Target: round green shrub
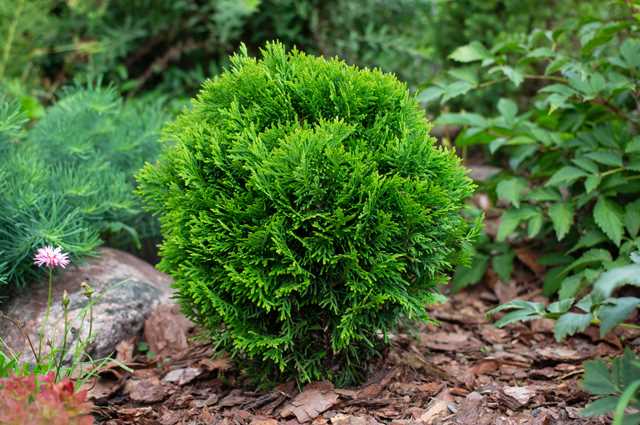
{"x": 304, "y": 209}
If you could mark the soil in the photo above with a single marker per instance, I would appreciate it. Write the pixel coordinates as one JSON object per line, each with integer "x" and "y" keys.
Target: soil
{"x": 462, "y": 371}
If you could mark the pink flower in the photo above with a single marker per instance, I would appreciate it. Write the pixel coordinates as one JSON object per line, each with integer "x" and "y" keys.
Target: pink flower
{"x": 49, "y": 257}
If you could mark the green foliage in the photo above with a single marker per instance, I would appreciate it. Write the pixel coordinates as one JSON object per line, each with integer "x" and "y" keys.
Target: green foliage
{"x": 599, "y": 307}
{"x": 173, "y": 45}
{"x": 568, "y": 143}
{"x": 304, "y": 208}
{"x": 68, "y": 179}
{"x": 617, "y": 387}
{"x": 490, "y": 22}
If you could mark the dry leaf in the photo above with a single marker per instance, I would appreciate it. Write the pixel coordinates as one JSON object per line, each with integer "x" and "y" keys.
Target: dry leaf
{"x": 146, "y": 390}
{"x": 166, "y": 331}
{"x": 124, "y": 350}
{"x": 310, "y": 403}
{"x": 182, "y": 376}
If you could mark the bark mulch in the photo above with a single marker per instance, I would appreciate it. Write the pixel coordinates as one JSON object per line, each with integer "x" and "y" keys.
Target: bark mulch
{"x": 463, "y": 371}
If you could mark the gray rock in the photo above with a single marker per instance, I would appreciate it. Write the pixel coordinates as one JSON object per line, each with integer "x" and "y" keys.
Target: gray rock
{"x": 126, "y": 291}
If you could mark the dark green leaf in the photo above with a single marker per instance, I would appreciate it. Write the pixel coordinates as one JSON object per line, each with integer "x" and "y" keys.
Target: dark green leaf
{"x": 511, "y": 190}
{"x": 471, "y": 52}
{"x": 616, "y": 311}
{"x": 503, "y": 265}
{"x": 570, "y": 323}
{"x": 565, "y": 176}
{"x": 614, "y": 278}
{"x": 597, "y": 380}
{"x": 561, "y": 215}
{"x": 466, "y": 276}
{"x": 632, "y": 218}
{"x": 600, "y": 407}
{"x": 608, "y": 217}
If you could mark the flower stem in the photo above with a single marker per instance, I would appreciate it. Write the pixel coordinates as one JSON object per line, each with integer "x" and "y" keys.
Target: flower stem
{"x": 64, "y": 341}
{"x": 46, "y": 315}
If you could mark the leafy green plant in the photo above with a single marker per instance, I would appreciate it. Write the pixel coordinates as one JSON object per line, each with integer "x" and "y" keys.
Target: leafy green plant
{"x": 569, "y": 144}
{"x": 304, "y": 208}
{"x": 68, "y": 179}
{"x": 617, "y": 388}
{"x": 599, "y": 307}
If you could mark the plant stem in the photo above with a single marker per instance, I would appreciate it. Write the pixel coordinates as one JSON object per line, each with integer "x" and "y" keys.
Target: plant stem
{"x": 64, "y": 342}
{"x": 612, "y": 171}
{"x": 10, "y": 35}
{"x": 46, "y": 315}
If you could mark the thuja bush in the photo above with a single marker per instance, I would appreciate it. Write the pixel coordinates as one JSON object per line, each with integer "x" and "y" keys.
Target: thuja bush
{"x": 304, "y": 208}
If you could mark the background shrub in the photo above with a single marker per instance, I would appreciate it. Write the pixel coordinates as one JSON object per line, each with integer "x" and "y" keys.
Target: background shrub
{"x": 304, "y": 208}
{"x": 68, "y": 180}
{"x": 571, "y": 150}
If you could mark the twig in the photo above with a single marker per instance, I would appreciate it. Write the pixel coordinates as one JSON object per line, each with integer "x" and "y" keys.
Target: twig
{"x": 24, "y": 334}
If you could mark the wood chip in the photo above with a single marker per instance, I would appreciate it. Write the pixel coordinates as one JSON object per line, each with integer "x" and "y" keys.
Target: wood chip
{"x": 182, "y": 376}
{"x": 146, "y": 390}
{"x": 310, "y": 403}
{"x": 516, "y": 397}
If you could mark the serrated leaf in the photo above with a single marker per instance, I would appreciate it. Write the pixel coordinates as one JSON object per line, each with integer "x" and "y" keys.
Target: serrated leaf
{"x": 591, "y": 238}
{"x": 552, "y": 280}
{"x": 430, "y": 94}
{"x": 614, "y": 278}
{"x": 507, "y": 108}
{"x": 560, "y": 307}
{"x": 561, "y": 215}
{"x": 471, "y": 52}
{"x": 503, "y": 265}
{"x": 570, "y": 286}
{"x": 535, "y": 225}
{"x": 600, "y": 407}
{"x": 570, "y": 323}
{"x": 529, "y": 306}
{"x": 541, "y": 52}
{"x": 632, "y": 218}
{"x": 556, "y": 65}
{"x": 462, "y": 118}
{"x": 608, "y": 217}
{"x": 522, "y": 311}
{"x": 586, "y": 164}
{"x": 544, "y": 194}
{"x": 513, "y": 74}
{"x": 565, "y": 176}
{"x": 611, "y": 158}
{"x": 597, "y": 380}
{"x": 630, "y": 51}
{"x": 633, "y": 145}
{"x": 516, "y": 316}
{"x": 467, "y": 276}
{"x": 616, "y": 311}
{"x": 510, "y": 220}
{"x": 511, "y": 190}
{"x": 592, "y": 182}
{"x": 592, "y": 256}
{"x": 455, "y": 89}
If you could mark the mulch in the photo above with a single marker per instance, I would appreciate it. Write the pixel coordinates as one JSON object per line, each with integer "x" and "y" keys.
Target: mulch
{"x": 463, "y": 371}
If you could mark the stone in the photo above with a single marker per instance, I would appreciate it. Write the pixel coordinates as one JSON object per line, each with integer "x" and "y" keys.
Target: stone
{"x": 126, "y": 290}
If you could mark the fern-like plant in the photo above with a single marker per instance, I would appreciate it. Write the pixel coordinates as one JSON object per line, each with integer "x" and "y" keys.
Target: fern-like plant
{"x": 68, "y": 180}
{"x": 304, "y": 208}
